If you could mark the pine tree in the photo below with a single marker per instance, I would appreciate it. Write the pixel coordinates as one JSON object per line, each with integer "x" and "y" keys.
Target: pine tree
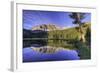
{"x": 78, "y": 17}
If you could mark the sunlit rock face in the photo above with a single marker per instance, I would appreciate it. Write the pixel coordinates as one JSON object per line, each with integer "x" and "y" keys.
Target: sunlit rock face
{"x": 46, "y": 27}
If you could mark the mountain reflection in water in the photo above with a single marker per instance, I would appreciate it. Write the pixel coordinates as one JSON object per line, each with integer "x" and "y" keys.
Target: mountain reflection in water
{"x": 47, "y": 53}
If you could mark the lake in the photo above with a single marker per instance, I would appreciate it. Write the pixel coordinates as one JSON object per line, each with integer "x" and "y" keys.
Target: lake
{"x": 38, "y": 54}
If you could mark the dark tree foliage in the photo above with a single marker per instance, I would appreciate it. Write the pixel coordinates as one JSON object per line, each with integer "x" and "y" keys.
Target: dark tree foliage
{"x": 77, "y": 17}
{"x": 88, "y": 36}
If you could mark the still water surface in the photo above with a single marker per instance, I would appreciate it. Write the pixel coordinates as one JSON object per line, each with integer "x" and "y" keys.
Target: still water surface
{"x": 31, "y": 55}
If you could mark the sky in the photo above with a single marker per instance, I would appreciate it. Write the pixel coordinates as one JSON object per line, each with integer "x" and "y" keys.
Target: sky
{"x": 33, "y": 18}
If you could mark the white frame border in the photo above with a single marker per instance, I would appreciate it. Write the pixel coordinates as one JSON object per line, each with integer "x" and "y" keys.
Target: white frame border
{"x": 16, "y": 63}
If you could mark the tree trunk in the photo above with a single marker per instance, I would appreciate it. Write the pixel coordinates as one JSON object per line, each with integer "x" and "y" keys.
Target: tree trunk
{"x": 82, "y": 38}
{"x": 82, "y": 35}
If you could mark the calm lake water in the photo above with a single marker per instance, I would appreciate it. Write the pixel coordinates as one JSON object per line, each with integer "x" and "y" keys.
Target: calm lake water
{"x": 30, "y": 55}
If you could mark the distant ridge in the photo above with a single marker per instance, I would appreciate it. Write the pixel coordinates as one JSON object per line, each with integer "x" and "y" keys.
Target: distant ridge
{"x": 46, "y": 27}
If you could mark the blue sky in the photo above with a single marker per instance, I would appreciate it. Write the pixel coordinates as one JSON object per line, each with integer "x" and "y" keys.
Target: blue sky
{"x": 33, "y": 18}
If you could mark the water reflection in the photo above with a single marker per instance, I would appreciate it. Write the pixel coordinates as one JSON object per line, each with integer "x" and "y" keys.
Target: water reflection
{"x": 37, "y": 52}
